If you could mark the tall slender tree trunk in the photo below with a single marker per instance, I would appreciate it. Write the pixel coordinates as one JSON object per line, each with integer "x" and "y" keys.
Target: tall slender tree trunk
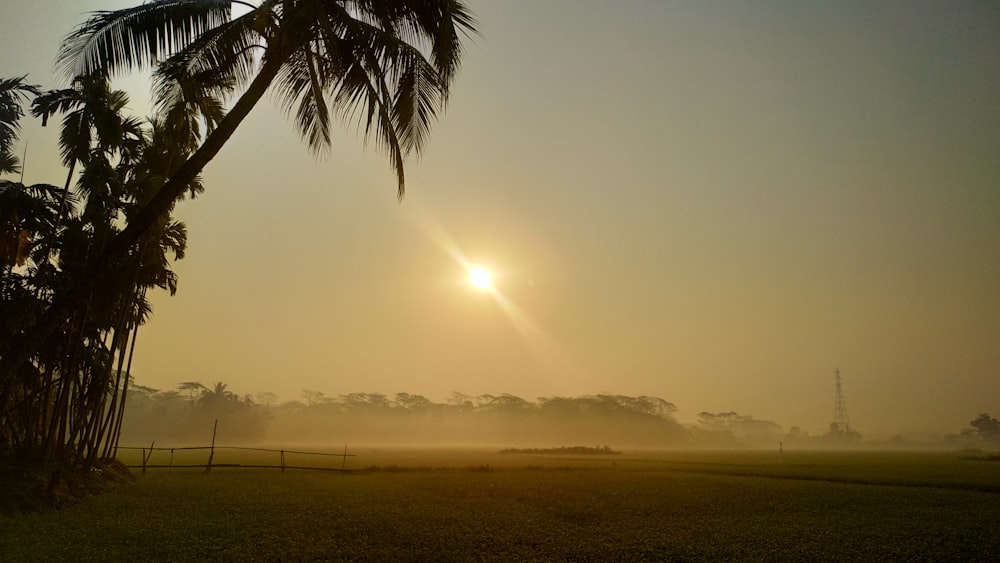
{"x": 123, "y": 327}
{"x": 98, "y": 408}
{"x": 63, "y": 199}
{"x": 126, "y": 327}
{"x": 55, "y": 433}
{"x": 76, "y": 296}
{"x": 117, "y": 430}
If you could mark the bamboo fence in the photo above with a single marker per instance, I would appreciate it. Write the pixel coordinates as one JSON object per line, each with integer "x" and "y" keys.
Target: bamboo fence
{"x": 146, "y": 454}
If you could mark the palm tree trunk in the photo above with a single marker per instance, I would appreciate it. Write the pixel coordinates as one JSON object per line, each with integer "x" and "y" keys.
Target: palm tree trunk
{"x": 130, "y": 326}
{"x": 101, "y": 412}
{"x": 95, "y": 394}
{"x": 117, "y": 431}
{"x": 124, "y": 329}
{"x": 55, "y": 432}
{"x": 65, "y": 196}
{"x": 50, "y": 239}
{"x": 160, "y": 205}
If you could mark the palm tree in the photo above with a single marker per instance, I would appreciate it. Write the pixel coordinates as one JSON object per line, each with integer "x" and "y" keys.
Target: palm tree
{"x": 25, "y": 211}
{"x": 93, "y": 119}
{"x": 13, "y": 92}
{"x": 387, "y": 63}
{"x": 219, "y": 393}
{"x": 66, "y": 404}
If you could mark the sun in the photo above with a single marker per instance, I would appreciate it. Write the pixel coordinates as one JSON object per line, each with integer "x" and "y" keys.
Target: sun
{"x": 480, "y": 279}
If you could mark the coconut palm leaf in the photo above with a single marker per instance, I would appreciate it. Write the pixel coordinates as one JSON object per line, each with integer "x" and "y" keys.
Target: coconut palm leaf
{"x": 9, "y": 163}
{"x": 137, "y": 38}
{"x": 174, "y": 239}
{"x": 14, "y": 92}
{"x": 300, "y": 83}
{"x": 208, "y": 71}
{"x": 326, "y": 48}
{"x": 25, "y": 211}
{"x": 93, "y": 114}
{"x": 434, "y": 23}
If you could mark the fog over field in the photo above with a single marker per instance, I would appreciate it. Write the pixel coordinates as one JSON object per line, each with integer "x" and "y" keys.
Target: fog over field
{"x": 189, "y": 417}
{"x": 716, "y": 204}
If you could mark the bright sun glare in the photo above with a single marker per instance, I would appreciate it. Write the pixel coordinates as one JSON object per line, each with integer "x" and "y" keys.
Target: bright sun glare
{"x": 480, "y": 278}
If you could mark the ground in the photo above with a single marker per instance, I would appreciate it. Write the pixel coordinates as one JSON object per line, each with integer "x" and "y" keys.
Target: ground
{"x": 416, "y": 505}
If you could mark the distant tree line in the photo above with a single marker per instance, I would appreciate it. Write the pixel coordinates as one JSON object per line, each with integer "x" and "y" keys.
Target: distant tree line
{"x": 731, "y": 429}
{"x": 564, "y": 450}
{"x": 186, "y": 414}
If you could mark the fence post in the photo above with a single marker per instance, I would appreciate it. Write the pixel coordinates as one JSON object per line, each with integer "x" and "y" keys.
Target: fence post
{"x": 145, "y": 458}
{"x": 211, "y": 455}
{"x": 282, "y": 461}
{"x": 343, "y": 462}
{"x": 171, "y": 459}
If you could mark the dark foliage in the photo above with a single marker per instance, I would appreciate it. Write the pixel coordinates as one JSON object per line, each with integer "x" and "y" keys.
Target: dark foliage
{"x": 61, "y": 410}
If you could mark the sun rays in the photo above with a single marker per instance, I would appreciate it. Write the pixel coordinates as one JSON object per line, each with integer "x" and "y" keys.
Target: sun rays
{"x": 491, "y": 281}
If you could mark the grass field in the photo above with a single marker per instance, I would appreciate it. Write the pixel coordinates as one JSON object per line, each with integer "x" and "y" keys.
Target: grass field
{"x": 480, "y": 506}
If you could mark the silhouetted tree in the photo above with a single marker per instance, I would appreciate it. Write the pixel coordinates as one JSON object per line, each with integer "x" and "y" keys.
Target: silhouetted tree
{"x": 13, "y": 93}
{"x": 987, "y": 428}
{"x": 219, "y": 393}
{"x": 170, "y": 417}
{"x": 394, "y": 60}
{"x": 93, "y": 118}
{"x": 192, "y": 389}
{"x": 731, "y": 427}
{"x": 410, "y": 402}
{"x": 267, "y": 398}
{"x": 312, "y": 398}
{"x": 63, "y": 407}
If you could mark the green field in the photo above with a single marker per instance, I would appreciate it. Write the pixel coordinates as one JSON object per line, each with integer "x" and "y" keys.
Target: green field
{"x": 476, "y": 505}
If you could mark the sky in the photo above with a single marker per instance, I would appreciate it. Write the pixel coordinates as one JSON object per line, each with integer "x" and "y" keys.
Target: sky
{"x": 716, "y": 203}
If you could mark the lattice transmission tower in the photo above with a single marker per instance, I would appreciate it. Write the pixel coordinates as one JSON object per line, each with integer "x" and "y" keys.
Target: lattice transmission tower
{"x": 840, "y": 423}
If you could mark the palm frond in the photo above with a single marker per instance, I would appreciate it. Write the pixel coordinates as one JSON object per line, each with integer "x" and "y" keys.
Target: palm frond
{"x": 53, "y": 102}
{"x": 138, "y": 37}
{"x": 417, "y": 90}
{"x": 93, "y": 113}
{"x": 142, "y": 309}
{"x": 418, "y": 97}
{"x": 300, "y": 84}
{"x": 385, "y": 133}
{"x": 9, "y": 163}
{"x": 434, "y": 24}
{"x": 399, "y": 89}
{"x": 14, "y": 92}
{"x": 75, "y": 139}
{"x": 209, "y": 69}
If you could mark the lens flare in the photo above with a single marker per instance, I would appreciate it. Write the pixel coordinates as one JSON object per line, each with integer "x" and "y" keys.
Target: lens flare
{"x": 480, "y": 279}
{"x": 552, "y": 357}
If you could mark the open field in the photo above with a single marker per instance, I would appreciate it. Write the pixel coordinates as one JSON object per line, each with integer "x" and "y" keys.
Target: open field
{"x": 478, "y": 505}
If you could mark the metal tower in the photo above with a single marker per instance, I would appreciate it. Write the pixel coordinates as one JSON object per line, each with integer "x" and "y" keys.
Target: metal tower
{"x": 840, "y": 423}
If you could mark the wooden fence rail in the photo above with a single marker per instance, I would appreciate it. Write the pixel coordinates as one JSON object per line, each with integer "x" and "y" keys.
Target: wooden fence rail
{"x": 147, "y": 452}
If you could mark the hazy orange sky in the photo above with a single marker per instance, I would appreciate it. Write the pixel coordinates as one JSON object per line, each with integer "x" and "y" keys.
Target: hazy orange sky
{"x": 716, "y": 203}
